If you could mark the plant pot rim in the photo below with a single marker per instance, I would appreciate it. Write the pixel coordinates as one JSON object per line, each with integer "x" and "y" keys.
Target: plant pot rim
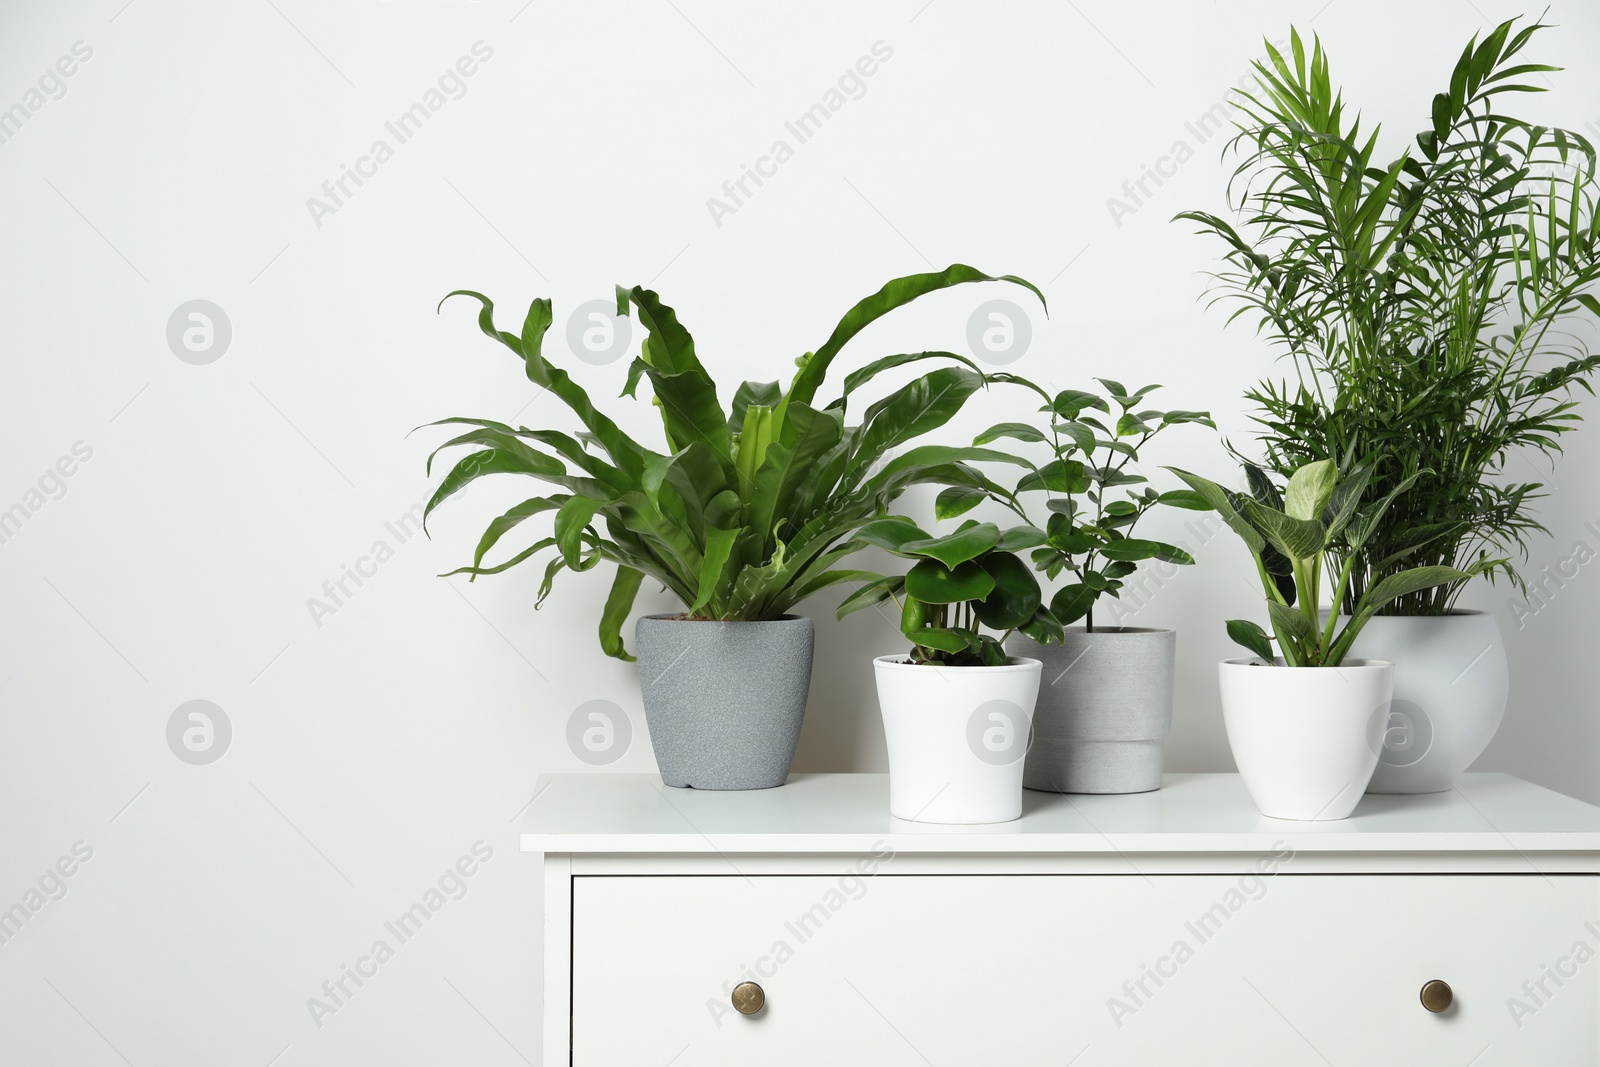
{"x": 898, "y": 661}
{"x": 1120, "y": 631}
{"x": 1349, "y": 664}
{"x": 677, "y": 616}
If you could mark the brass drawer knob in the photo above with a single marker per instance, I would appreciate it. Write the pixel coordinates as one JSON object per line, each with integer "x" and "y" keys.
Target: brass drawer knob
{"x": 1437, "y": 996}
{"x": 748, "y": 998}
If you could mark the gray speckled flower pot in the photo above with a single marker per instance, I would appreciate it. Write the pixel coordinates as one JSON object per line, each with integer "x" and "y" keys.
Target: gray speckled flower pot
{"x": 724, "y": 700}
{"x": 1104, "y": 711}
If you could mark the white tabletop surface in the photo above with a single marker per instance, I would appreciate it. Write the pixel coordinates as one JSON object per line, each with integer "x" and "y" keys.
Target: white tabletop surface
{"x": 830, "y": 813}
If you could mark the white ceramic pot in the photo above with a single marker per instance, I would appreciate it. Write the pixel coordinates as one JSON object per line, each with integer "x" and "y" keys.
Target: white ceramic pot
{"x": 956, "y": 737}
{"x": 1450, "y": 686}
{"x": 1305, "y": 738}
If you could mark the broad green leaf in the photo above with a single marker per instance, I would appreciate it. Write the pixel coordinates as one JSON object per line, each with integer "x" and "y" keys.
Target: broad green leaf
{"x": 955, "y": 548}
{"x": 1341, "y": 507}
{"x": 765, "y": 393}
{"x": 505, "y": 523}
{"x": 924, "y": 405}
{"x": 1252, "y": 637}
{"x": 1130, "y": 549}
{"x": 1261, "y": 487}
{"x": 1072, "y": 602}
{"x": 719, "y": 547}
{"x": 1296, "y": 538}
{"x": 1297, "y": 637}
{"x": 1081, "y": 433}
{"x": 1069, "y": 403}
{"x": 1015, "y": 596}
{"x": 957, "y": 501}
{"x": 1217, "y": 497}
{"x": 489, "y": 461}
{"x": 939, "y": 639}
{"x": 571, "y": 518}
{"x": 1058, "y": 476}
{"x": 624, "y": 587}
{"x": 1043, "y": 628}
{"x": 1406, "y": 582}
{"x": 1017, "y": 538}
{"x": 1184, "y": 498}
{"x": 689, "y": 404}
{"x": 932, "y": 582}
{"x": 755, "y": 437}
{"x": 895, "y": 294}
{"x": 1021, "y": 431}
{"x": 1308, "y": 491}
{"x": 1129, "y": 425}
{"x": 873, "y": 592}
{"x": 856, "y": 379}
{"x": 890, "y": 534}
{"x": 624, "y": 452}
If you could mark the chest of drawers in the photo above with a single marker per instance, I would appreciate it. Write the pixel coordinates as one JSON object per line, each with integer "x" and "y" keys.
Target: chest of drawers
{"x": 1171, "y": 927}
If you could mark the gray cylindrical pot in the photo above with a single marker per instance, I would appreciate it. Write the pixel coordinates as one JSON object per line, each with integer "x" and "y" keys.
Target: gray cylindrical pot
{"x": 1104, "y": 711}
{"x": 724, "y": 700}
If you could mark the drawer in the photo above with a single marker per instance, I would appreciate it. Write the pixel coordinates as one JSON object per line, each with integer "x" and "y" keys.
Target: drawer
{"x": 1112, "y": 969}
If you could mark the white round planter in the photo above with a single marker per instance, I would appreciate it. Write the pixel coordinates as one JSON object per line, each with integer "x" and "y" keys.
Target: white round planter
{"x": 1450, "y": 686}
{"x": 956, "y": 738}
{"x": 1305, "y": 738}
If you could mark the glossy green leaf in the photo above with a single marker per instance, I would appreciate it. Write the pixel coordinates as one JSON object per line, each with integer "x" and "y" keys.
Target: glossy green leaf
{"x": 1072, "y": 602}
{"x": 954, "y": 548}
{"x": 1309, "y": 490}
{"x": 1252, "y": 637}
{"x": 1015, "y": 596}
{"x": 624, "y": 587}
{"x": 1057, "y": 476}
{"x": 956, "y": 501}
{"x": 932, "y": 582}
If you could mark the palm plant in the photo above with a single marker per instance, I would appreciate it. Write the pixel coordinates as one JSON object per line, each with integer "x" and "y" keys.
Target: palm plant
{"x": 748, "y": 510}
{"x": 1432, "y": 306}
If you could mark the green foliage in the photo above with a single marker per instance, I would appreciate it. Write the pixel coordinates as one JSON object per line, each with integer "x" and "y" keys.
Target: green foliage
{"x": 957, "y": 584}
{"x": 1288, "y": 533}
{"x": 1433, "y": 306}
{"x": 1096, "y": 497}
{"x": 747, "y": 510}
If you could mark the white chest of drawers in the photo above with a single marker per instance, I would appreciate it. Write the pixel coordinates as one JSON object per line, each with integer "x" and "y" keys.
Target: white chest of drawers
{"x": 1175, "y": 927}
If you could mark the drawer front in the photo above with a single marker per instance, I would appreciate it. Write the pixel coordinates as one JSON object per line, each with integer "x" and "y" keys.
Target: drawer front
{"x": 1112, "y": 970}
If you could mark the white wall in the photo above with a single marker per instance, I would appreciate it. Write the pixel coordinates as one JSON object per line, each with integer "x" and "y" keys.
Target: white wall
{"x": 373, "y": 746}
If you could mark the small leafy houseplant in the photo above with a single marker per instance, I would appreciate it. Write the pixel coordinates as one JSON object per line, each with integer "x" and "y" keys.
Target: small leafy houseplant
{"x": 746, "y": 509}
{"x": 958, "y": 584}
{"x": 956, "y": 710}
{"x": 1100, "y": 727}
{"x": 1096, "y": 495}
{"x": 1307, "y": 740}
{"x": 1288, "y": 534}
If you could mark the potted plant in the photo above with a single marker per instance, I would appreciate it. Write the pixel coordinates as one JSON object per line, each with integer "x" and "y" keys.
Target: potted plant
{"x": 1105, "y": 709}
{"x": 957, "y": 708}
{"x": 1305, "y": 725}
{"x": 746, "y": 511}
{"x": 1435, "y": 309}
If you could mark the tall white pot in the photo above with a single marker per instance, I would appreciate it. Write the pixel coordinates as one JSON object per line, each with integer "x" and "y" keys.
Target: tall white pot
{"x": 1305, "y": 738}
{"x": 1450, "y": 686}
{"x": 956, "y": 738}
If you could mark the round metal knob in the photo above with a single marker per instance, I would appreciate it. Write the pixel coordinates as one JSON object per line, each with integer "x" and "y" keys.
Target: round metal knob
{"x": 1437, "y": 996}
{"x": 748, "y": 998}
